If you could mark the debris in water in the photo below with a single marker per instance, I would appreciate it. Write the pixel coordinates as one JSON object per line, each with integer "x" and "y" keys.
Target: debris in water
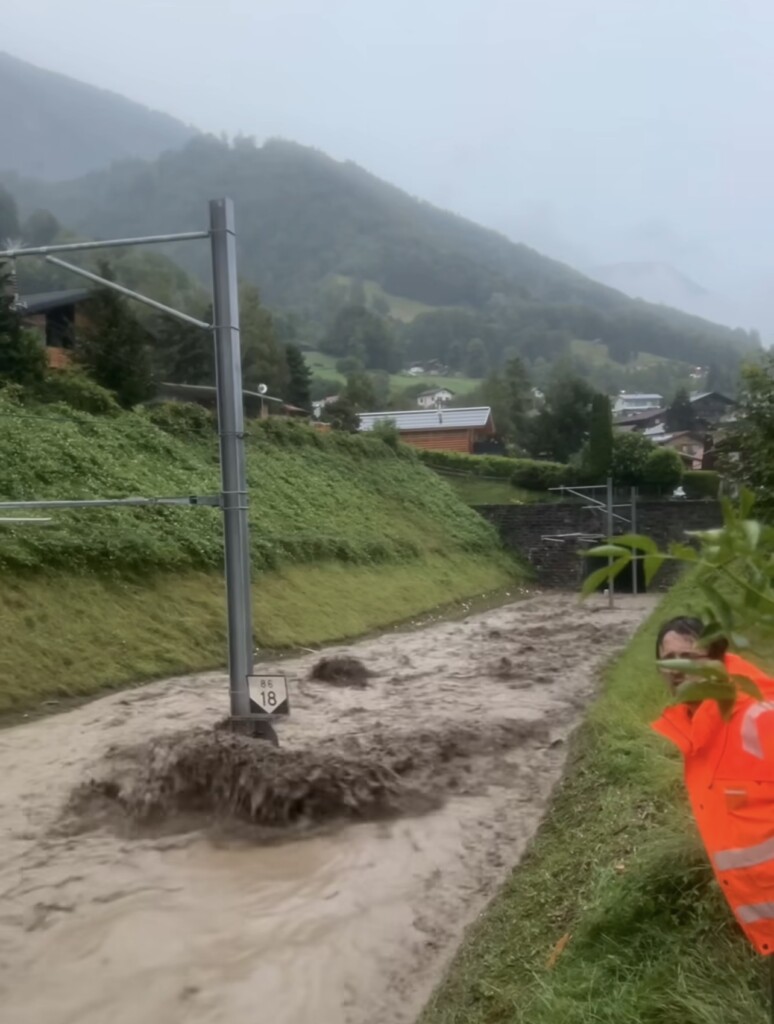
{"x": 224, "y": 777}
{"x": 503, "y": 669}
{"x": 341, "y": 670}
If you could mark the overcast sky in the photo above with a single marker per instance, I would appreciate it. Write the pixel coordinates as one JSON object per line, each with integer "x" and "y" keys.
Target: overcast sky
{"x": 598, "y": 130}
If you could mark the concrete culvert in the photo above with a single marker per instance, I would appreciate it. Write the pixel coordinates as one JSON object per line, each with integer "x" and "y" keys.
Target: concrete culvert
{"x": 341, "y": 670}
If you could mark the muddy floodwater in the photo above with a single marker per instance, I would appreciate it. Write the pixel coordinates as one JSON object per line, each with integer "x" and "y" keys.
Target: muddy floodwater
{"x": 317, "y": 922}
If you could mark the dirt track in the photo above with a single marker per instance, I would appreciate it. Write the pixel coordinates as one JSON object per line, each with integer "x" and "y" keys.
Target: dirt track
{"x": 348, "y": 926}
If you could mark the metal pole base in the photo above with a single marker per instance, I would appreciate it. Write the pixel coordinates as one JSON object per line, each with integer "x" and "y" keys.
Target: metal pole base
{"x": 253, "y": 728}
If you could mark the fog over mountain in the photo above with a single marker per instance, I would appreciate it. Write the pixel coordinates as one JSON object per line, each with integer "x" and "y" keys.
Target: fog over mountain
{"x": 637, "y": 128}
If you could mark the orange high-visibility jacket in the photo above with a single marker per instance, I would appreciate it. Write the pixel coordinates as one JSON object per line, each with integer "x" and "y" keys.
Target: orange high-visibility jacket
{"x": 729, "y": 775}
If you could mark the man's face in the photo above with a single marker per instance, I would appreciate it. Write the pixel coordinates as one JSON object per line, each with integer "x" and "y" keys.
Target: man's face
{"x": 676, "y": 646}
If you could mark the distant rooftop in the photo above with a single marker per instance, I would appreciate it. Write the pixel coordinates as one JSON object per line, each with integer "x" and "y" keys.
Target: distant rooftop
{"x": 696, "y": 396}
{"x": 642, "y": 416}
{"x": 429, "y": 419}
{"x": 44, "y": 302}
{"x": 636, "y": 396}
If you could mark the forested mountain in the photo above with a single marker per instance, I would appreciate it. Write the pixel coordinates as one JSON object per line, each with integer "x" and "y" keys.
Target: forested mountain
{"x": 316, "y": 236}
{"x": 54, "y": 127}
{"x": 310, "y": 228}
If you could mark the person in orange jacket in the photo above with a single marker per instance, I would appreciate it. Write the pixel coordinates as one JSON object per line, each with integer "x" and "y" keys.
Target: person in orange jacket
{"x": 729, "y": 775}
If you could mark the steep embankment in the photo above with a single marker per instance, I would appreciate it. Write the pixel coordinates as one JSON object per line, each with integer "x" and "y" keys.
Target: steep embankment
{"x": 348, "y": 534}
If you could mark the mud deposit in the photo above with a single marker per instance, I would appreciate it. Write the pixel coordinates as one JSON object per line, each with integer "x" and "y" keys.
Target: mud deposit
{"x": 393, "y": 811}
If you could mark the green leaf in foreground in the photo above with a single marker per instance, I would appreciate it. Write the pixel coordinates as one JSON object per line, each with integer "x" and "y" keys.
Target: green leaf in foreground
{"x": 694, "y": 691}
{"x": 733, "y": 565}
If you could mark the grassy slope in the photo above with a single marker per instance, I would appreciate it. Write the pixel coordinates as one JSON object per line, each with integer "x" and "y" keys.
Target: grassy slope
{"x": 72, "y": 636}
{"x": 324, "y": 367}
{"x": 617, "y": 866}
{"x": 314, "y": 497}
{"x": 348, "y": 535}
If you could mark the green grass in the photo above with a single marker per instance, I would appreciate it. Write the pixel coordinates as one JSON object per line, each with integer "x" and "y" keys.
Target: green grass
{"x": 324, "y": 367}
{"x": 348, "y": 535}
{"x": 314, "y": 497}
{"x": 618, "y": 867}
{"x": 73, "y": 636}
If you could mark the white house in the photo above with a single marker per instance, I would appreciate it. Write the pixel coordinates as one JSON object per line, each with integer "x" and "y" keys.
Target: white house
{"x": 630, "y": 404}
{"x": 433, "y": 396}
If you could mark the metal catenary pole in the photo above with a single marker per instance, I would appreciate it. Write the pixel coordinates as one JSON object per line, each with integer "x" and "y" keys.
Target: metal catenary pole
{"x": 635, "y": 562}
{"x": 610, "y": 527}
{"x": 233, "y": 500}
{"x": 231, "y": 428}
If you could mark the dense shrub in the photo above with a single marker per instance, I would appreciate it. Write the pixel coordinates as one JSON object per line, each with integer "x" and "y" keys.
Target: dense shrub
{"x": 663, "y": 468}
{"x": 701, "y": 483}
{"x": 531, "y": 474}
{"x": 314, "y": 496}
{"x": 183, "y": 419}
{"x": 479, "y": 465}
{"x": 79, "y": 391}
{"x": 631, "y": 452}
{"x": 534, "y": 475}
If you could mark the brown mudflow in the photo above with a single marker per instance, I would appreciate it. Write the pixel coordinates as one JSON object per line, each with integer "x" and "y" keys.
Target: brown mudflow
{"x": 220, "y": 777}
{"x": 161, "y": 900}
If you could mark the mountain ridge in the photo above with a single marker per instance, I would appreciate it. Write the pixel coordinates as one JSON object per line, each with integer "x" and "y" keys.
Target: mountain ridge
{"x": 312, "y": 230}
{"x": 56, "y": 127}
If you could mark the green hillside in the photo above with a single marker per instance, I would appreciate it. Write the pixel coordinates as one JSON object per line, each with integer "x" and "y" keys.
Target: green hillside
{"x": 348, "y": 534}
{"x": 56, "y": 127}
{"x": 305, "y": 221}
{"x": 324, "y": 368}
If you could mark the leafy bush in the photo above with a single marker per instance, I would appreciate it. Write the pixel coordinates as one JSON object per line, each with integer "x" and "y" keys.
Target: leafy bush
{"x": 386, "y": 431}
{"x": 701, "y": 483}
{"x": 22, "y": 356}
{"x": 314, "y": 496}
{"x": 663, "y": 468}
{"x": 533, "y": 475}
{"x": 184, "y": 419}
{"x": 631, "y": 452}
{"x": 79, "y": 391}
{"x": 530, "y": 474}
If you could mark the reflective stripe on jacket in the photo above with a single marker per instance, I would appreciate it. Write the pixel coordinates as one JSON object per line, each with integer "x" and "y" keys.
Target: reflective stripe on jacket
{"x": 729, "y": 775}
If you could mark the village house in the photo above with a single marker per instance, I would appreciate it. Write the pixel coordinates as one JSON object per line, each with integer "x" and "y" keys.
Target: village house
{"x": 689, "y": 444}
{"x": 712, "y": 408}
{"x": 55, "y": 317}
{"x": 641, "y": 421}
{"x": 626, "y": 405}
{"x": 433, "y": 396}
{"x": 452, "y": 430}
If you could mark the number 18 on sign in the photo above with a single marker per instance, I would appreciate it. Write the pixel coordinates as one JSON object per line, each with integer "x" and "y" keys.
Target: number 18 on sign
{"x": 269, "y": 695}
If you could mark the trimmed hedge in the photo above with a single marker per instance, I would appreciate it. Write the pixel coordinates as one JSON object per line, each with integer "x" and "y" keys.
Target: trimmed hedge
{"x": 534, "y": 475}
{"x": 530, "y": 474}
{"x": 477, "y": 465}
{"x": 701, "y": 483}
